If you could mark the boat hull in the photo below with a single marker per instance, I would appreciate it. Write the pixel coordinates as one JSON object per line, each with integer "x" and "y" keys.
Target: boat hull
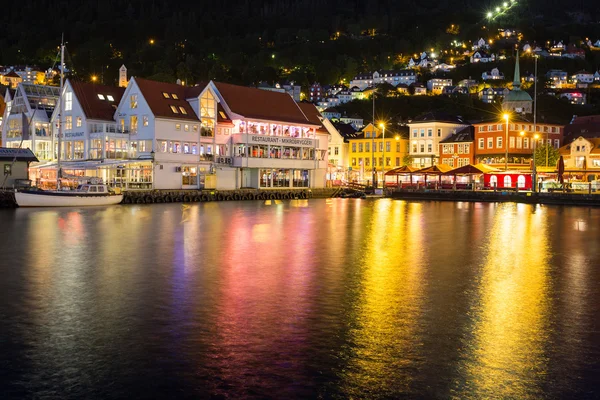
{"x": 32, "y": 199}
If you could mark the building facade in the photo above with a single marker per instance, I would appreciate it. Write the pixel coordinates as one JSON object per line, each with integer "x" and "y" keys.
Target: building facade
{"x": 394, "y": 78}
{"x": 426, "y": 132}
{"x": 370, "y": 152}
{"x": 582, "y": 156}
{"x": 27, "y": 119}
{"x": 491, "y": 142}
{"x": 457, "y": 149}
{"x": 436, "y": 85}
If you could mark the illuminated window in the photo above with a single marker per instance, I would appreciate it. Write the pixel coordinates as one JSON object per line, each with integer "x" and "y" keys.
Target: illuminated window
{"x": 134, "y": 123}
{"x": 186, "y": 127}
{"x": 177, "y": 127}
{"x": 68, "y": 122}
{"x": 145, "y": 120}
{"x": 78, "y": 122}
{"x": 110, "y": 98}
{"x": 182, "y": 110}
{"x": 166, "y": 95}
{"x": 68, "y": 101}
{"x": 174, "y": 96}
{"x": 133, "y": 101}
{"x": 100, "y": 96}
{"x": 222, "y": 114}
{"x": 174, "y": 109}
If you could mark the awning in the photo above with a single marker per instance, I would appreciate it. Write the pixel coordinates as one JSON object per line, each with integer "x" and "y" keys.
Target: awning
{"x": 472, "y": 169}
{"x": 403, "y": 170}
{"x": 433, "y": 170}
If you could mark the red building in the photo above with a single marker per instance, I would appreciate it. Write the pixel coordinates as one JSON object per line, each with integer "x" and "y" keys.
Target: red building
{"x": 458, "y": 149}
{"x": 503, "y": 180}
{"x": 491, "y": 139}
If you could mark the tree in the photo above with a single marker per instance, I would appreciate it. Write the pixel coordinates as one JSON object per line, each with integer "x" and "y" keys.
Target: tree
{"x": 540, "y": 155}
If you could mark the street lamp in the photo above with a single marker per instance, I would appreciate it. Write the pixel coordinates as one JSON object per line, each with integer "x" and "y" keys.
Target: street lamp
{"x": 534, "y": 174}
{"x": 506, "y": 143}
{"x": 382, "y": 126}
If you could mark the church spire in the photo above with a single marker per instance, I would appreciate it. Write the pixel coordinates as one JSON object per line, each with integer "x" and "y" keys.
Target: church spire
{"x": 517, "y": 78}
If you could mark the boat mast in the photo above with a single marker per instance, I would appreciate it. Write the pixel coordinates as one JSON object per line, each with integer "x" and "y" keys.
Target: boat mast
{"x": 61, "y": 100}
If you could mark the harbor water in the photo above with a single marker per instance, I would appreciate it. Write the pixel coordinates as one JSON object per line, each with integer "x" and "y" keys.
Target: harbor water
{"x": 331, "y": 298}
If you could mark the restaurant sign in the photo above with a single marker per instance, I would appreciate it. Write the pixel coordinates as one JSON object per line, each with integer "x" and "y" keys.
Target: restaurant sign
{"x": 280, "y": 140}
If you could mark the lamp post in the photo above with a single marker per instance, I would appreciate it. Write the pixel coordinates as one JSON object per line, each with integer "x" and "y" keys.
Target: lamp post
{"x": 534, "y": 174}
{"x": 382, "y": 126}
{"x": 373, "y": 170}
{"x": 506, "y": 143}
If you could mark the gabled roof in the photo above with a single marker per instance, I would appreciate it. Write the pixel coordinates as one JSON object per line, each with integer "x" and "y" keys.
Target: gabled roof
{"x": 594, "y": 141}
{"x": 464, "y": 135}
{"x": 11, "y": 74}
{"x": 436, "y": 116}
{"x": 261, "y": 104}
{"x": 194, "y": 91}
{"x": 161, "y": 105}
{"x": 93, "y": 106}
{"x": 311, "y": 113}
{"x": 346, "y": 130}
{"x": 9, "y": 154}
{"x": 222, "y": 117}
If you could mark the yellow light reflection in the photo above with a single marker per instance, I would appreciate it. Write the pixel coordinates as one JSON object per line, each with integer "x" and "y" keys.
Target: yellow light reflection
{"x": 389, "y": 303}
{"x": 507, "y": 357}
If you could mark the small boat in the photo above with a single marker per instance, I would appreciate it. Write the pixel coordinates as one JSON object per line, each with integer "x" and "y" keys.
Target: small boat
{"x": 84, "y": 195}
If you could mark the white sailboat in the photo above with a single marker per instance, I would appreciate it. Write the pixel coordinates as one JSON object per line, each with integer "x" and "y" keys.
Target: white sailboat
{"x": 84, "y": 195}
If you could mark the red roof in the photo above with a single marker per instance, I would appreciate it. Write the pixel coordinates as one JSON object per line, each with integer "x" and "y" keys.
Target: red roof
{"x": 262, "y": 104}
{"x": 93, "y": 106}
{"x": 222, "y": 117}
{"x": 12, "y": 74}
{"x": 155, "y": 93}
{"x": 313, "y": 115}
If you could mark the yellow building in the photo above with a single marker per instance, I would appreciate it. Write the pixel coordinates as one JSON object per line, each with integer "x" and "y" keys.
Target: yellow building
{"x": 10, "y": 79}
{"x": 367, "y": 152}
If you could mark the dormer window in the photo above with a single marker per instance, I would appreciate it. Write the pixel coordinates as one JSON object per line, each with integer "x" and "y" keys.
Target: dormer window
{"x": 174, "y": 109}
{"x": 174, "y": 96}
{"x": 101, "y": 96}
{"x": 222, "y": 114}
{"x": 182, "y": 110}
{"x": 110, "y": 98}
{"x": 166, "y": 95}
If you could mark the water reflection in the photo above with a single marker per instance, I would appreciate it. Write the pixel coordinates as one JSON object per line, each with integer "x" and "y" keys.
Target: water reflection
{"x": 383, "y": 337}
{"x": 506, "y": 354}
{"x": 337, "y": 298}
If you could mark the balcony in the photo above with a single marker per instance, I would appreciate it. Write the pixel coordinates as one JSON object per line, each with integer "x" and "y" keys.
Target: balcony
{"x": 109, "y": 128}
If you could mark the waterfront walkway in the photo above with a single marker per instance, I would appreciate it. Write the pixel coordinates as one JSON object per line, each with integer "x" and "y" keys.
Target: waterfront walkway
{"x": 583, "y": 199}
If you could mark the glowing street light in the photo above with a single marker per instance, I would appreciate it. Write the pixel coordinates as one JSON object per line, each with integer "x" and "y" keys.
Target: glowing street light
{"x": 382, "y": 126}
{"x": 498, "y": 9}
{"x": 505, "y": 4}
{"x": 151, "y": 41}
{"x": 94, "y": 78}
{"x": 506, "y": 116}
{"x": 489, "y": 14}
